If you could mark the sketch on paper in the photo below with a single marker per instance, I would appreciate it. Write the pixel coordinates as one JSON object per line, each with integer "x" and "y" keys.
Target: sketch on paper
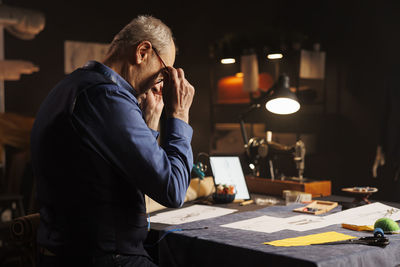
{"x": 190, "y": 214}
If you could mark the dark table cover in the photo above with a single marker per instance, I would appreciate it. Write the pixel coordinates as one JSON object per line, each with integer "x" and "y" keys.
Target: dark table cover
{"x": 221, "y": 246}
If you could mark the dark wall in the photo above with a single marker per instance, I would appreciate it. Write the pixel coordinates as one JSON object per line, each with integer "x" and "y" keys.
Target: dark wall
{"x": 360, "y": 38}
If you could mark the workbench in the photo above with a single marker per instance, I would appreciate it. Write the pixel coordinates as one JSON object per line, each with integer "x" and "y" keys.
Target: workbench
{"x": 221, "y": 246}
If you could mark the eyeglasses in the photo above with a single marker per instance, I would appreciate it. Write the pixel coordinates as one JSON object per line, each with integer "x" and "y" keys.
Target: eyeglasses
{"x": 162, "y": 61}
{"x": 165, "y": 71}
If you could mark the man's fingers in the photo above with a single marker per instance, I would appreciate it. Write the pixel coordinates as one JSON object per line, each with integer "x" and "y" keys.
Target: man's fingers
{"x": 181, "y": 73}
{"x": 150, "y": 95}
{"x": 179, "y": 81}
{"x": 179, "y": 95}
{"x": 173, "y": 77}
{"x": 187, "y": 84}
{"x": 173, "y": 73}
{"x": 176, "y": 74}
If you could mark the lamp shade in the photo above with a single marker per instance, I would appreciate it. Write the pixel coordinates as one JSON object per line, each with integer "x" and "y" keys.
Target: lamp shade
{"x": 282, "y": 100}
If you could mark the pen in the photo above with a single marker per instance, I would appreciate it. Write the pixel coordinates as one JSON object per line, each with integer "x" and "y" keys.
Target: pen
{"x": 247, "y": 202}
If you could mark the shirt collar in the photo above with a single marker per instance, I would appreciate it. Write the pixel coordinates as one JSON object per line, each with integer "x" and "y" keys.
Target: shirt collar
{"x": 110, "y": 74}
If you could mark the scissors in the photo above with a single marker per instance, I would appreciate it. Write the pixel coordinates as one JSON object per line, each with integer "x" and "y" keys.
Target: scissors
{"x": 368, "y": 240}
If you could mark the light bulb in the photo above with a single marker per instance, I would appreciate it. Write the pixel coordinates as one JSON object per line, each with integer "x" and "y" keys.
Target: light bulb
{"x": 275, "y": 56}
{"x": 282, "y": 105}
{"x": 228, "y": 60}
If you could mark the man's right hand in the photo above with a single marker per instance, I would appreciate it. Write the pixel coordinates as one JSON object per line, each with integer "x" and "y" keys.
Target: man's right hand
{"x": 178, "y": 95}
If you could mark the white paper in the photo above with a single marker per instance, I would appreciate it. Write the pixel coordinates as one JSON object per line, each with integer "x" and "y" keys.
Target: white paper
{"x": 190, "y": 214}
{"x": 364, "y": 215}
{"x": 269, "y": 224}
{"x": 306, "y": 223}
{"x": 265, "y": 224}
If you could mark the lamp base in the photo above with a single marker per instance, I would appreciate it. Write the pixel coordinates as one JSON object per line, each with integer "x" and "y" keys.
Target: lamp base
{"x": 275, "y": 187}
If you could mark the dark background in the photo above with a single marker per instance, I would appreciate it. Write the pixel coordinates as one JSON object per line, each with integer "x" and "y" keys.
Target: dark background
{"x": 360, "y": 37}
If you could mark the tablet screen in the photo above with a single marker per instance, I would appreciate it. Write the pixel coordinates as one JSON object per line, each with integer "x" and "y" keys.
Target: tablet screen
{"x": 228, "y": 170}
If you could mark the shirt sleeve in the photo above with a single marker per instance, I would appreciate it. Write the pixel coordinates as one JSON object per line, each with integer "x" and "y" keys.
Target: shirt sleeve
{"x": 155, "y": 133}
{"x": 111, "y": 122}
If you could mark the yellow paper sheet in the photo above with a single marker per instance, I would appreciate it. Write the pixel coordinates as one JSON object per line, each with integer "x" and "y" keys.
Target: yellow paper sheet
{"x": 310, "y": 239}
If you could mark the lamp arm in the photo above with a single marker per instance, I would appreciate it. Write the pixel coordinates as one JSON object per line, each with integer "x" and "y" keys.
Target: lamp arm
{"x": 244, "y": 134}
{"x": 241, "y": 119}
{"x": 250, "y": 109}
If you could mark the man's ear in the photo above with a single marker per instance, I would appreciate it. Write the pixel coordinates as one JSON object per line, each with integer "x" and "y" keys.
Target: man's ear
{"x": 143, "y": 51}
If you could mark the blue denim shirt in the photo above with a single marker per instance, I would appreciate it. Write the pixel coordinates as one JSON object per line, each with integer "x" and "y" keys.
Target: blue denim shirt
{"x": 94, "y": 157}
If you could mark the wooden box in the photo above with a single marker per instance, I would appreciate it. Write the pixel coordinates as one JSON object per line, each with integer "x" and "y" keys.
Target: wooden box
{"x": 275, "y": 187}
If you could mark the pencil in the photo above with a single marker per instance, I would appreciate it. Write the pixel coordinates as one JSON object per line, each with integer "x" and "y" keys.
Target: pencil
{"x": 247, "y": 202}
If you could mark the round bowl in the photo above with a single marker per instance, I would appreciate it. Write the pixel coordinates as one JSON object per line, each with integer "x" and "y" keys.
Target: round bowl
{"x": 223, "y": 198}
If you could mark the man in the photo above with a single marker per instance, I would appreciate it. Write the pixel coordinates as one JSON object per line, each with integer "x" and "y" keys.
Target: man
{"x": 95, "y": 151}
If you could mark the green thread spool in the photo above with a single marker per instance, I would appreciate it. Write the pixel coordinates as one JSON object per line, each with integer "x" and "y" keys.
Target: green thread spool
{"x": 387, "y": 225}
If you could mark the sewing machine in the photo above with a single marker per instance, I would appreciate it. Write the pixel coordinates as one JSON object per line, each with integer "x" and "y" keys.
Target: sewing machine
{"x": 262, "y": 154}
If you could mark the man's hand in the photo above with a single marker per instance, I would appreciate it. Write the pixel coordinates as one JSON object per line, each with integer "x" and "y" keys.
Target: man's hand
{"x": 178, "y": 95}
{"x": 152, "y": 106}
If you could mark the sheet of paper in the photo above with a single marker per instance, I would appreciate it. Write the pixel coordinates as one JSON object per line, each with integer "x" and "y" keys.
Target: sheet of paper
{"x": 364, "y": 215}
{"x": 266, "y": 224}
{"x": 310, "y": 239}
{"x": 306, "y": 223}
{"x": 269, "y": 224}
{"x": 190, "y": 214}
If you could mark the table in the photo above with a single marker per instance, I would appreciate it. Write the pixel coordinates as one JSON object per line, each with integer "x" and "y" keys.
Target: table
{"x": 220, "y": 246}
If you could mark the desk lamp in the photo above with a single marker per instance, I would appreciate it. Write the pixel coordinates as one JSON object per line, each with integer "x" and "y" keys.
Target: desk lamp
{"x": 279, "y": 100}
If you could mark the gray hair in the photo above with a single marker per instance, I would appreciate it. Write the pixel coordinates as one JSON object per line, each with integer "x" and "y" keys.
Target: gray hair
{"x": 142, "y": 28}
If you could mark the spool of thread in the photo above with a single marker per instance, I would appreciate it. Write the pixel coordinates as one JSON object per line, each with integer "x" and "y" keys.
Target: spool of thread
{"x": 387, "y": 225}
{"x": 198, "y": 169}
{"x": 378, "y": 232}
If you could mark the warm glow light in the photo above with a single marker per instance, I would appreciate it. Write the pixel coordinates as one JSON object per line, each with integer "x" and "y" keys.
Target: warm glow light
{"x": 275, "y": 56}
{"x": 228, "y": 60}
{"x": 282, "y": 106}
{"x": 239, "y": 75}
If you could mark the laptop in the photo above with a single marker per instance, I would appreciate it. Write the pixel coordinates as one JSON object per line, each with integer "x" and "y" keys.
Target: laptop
{"x": 228, "y": 170}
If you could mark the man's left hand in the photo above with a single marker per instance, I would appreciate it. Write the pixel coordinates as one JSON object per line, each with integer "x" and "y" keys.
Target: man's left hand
{"x": 152, "y": 108}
